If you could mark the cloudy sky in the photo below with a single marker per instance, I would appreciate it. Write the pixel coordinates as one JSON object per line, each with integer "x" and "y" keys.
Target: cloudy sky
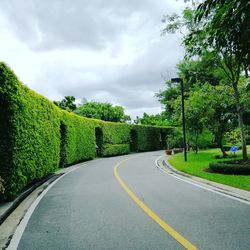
{"x": 107, "y": 51}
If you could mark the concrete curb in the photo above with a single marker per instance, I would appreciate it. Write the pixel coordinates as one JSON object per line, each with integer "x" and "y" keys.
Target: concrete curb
{"x": 6, "y": 208}
{"x": 234, "y": 193}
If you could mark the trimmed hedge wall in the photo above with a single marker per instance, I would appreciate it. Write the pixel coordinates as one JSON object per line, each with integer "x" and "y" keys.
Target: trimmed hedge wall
{"x": 77, "y": 139}
{"x": 116, "y": 138}
{"x": 29, "y": 134}
{"x": 230, "y": 168}
{"x": 36, "y": 137}
{"x": 147, "y": 138}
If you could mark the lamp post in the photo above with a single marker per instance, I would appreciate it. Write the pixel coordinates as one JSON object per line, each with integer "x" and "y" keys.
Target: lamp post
{"x": 179, "y": 80}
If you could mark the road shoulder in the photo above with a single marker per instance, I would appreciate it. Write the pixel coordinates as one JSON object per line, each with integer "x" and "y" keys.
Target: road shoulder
{"x": 231, "y": 192}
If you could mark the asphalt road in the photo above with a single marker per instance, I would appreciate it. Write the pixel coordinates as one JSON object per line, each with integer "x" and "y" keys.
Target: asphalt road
{"x": 89, "y": 209}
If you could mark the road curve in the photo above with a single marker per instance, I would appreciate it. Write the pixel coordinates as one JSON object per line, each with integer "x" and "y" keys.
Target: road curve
{"x": 89, "y": 209}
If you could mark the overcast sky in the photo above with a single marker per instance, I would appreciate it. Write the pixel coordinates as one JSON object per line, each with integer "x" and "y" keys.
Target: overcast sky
{"x": 107, "y": 51}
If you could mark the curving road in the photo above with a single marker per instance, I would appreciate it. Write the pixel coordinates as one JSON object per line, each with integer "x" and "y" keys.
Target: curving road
{"x": 90, "y": 208}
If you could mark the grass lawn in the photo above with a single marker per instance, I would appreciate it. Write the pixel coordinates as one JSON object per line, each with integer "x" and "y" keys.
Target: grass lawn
{"x": 198, "y": 162}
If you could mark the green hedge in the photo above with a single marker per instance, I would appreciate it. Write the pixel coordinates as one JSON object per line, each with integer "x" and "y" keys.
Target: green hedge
{"x": 77, "y": 139}
{"x": 115, "y": 149}
{"x": 36, "y": 137}
{"x": 147, "y": 138}
{"x": 29, "y": 134}
{"x": 230, "y": 168}
{"x": 116, "y": 138}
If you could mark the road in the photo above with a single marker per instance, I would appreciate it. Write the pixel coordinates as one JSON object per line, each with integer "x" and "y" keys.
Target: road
{"x": 134, "y": 207}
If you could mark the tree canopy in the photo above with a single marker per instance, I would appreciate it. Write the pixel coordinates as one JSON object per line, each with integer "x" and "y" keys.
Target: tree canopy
{"x": 227, "y": 23}
{"x": 67, "y": 103}
{"x": 216, "y": 41}
{"x": 102, "y": 111}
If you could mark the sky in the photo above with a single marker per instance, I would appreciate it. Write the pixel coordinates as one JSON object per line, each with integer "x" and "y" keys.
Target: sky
{"x": 106, "y": 51}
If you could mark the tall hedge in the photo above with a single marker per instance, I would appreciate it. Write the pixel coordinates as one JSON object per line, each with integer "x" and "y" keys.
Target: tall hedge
{"x": 77, "y": 139}
{"x": 147, "y": 138}
{"x": 36, "y": 137}
{"x": 29, "y": 134}
{"x": 116, "y": 138}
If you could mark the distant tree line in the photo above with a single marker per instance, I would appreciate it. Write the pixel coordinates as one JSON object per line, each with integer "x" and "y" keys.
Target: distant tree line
{"x": 92, "y": 109}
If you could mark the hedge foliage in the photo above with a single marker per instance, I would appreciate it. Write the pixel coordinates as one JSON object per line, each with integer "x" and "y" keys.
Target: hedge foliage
{"x": 36, "y": 137}
{"x": 116, "y": 138}
{"x": 77, "y": 139}
{"x": 147, "y": 138}
{"x": 230, "y": 168}
{"x": 29, "y": 134}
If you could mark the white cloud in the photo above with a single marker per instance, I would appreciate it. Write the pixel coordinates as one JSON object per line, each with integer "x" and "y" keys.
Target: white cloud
{"x": 101, "y": 50}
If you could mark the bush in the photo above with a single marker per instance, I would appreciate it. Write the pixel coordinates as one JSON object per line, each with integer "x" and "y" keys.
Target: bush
{"x": 116, "y": 137}
{"x": 29, "y": 132}
{"x": 147, "y": 138}
{"x": 115, "y": 149}
{"x": 77, "y": 139}
{"x": 230, "y": 168}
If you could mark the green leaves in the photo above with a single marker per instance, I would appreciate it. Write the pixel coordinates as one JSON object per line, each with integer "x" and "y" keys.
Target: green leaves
{"x": 227, "y": 23}
{"x": 67, "y": 103}
{"x": 102, "y": 111}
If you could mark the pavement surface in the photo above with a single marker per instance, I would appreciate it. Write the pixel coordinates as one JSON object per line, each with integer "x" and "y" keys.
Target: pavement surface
{"x": 137, "y": 206}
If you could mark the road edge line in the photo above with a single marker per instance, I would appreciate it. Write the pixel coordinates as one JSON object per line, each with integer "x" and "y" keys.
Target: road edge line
{"x": 197, "y": 184}
{"x": 13, "y": 245}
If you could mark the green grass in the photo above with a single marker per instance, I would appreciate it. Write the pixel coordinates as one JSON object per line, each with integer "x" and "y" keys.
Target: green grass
{"x": 198, "y": 162}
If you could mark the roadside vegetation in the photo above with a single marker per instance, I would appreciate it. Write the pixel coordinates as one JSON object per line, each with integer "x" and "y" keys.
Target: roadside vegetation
{"x": 198, "y": 165}
{"x": 91, "y": 109}
{"x": 37, "y": 137}
{"x": 215, "y": 73}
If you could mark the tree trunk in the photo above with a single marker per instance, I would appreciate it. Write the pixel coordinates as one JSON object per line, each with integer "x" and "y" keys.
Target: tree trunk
{"x": 196, "y": 144}
{"x": 219, "y": 139}
{"x": 240, "y": 120}
{"x": 242, "y": 135}
{"x": 246, "y": 72}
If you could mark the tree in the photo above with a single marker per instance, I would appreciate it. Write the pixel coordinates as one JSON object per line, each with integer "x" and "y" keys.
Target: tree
{"x": 67, "y": 103}
{"x": 205, "y": 109}
{"x": 167, "y": 97}
{"x": 203, "y": 69}
{"x": 225, "y": 30}
{"x": 203, "y": 27}
{"x": 227, "y": 22}
{"x": 155, "y": 120}
{"x": 102, "y": 111}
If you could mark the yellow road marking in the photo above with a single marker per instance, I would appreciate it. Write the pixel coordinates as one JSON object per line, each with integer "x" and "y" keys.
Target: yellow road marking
{"x": 179, "y": 238}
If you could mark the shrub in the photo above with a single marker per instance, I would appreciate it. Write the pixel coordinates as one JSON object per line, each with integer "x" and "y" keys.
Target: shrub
{"x": 147, "y": 138}
{"x": 29, "y": 132}
{"x": 77, "y": 138}
{"x": 116, "y": 138}
{"x": 230, "y": 168}
{"x": 115, "y": 149}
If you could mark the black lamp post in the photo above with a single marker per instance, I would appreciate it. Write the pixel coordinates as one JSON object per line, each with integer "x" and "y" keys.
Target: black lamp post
{"x": 179, "y": 80}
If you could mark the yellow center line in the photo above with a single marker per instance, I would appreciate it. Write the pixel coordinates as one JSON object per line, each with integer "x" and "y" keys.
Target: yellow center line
{"x": 167, "y": 228}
